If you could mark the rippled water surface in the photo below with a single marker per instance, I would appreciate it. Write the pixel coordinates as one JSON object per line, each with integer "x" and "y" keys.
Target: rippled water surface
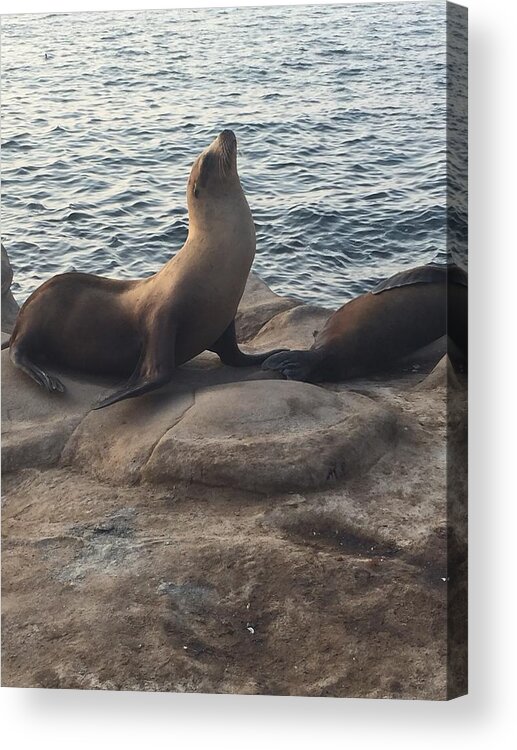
{"x": 339, "y": 112}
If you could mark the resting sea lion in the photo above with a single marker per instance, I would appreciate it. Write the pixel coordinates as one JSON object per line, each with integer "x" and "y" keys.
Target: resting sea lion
{"x": 371, "y": 332}
{"x": 144, "y": 329}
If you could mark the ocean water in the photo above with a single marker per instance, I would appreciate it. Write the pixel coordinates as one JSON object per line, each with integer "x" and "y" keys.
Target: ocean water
{"x": 339, "y": 112}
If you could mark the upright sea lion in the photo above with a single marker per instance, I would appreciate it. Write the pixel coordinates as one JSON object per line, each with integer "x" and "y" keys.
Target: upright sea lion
{"x": 144, "y": 329}
{"x": 373, "y": 331}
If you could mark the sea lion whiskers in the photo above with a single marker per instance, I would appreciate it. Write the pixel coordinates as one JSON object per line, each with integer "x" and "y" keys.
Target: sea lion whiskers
{"x": 225, "y": 159}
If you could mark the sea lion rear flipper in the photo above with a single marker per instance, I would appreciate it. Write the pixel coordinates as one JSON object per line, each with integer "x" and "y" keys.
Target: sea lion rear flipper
{"x": 22, "y": 361}
{"x": 227, "y": 349}
{"x": 294, "y": 365}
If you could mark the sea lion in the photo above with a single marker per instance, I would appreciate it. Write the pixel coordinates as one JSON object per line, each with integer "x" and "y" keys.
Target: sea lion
{"x": 144, "y": 329}
{"x": 370, "y": 333}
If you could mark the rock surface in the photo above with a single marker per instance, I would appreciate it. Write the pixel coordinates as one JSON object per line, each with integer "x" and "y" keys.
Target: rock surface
{"x": 9, "y": 305}
{"x": 234, "y": 532}
{"x": 258, "y": 305}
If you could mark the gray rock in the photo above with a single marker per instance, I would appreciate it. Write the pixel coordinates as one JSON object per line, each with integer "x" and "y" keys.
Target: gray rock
{"x": 292, "y": 329}
{"x": 442, "y": 376}
{"x": 10, "y": 307}
{"x": 35, "y": 423}
{"x": 258, "y": 305}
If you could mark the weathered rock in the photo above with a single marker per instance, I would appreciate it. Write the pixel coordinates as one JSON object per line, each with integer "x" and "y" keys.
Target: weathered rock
{"x": 256, "y": 435}
{"x": 366, "y": 519}
{"x": 115, "y": 443}
{"x": 9, "y": 305}
{"x": 258, "y": 305}
{"x": 141, "y": 589}
{"x": 35, "y": 423}
{"x": 292, "y": 329}
{"x": 442, "y": 376}
{"x": 268, "y": 436}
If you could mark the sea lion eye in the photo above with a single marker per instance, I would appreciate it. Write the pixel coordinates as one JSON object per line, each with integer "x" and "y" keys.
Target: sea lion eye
{"x": 196, "y": 191}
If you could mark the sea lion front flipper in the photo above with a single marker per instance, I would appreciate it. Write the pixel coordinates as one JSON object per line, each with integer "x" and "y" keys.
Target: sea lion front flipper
{"x": 154, "y": 368}
{"x": 227, "y": 349}
{"x": 294, "y": 365}
{"x": 138, "y": 388}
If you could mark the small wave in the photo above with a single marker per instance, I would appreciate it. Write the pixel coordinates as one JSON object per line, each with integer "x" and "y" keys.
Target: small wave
{"x": 23, "y": 171}
{"x": 132, "y": 52}
{"x": 337, "y": 52}
{"x": 351, "y": 71}
{"x": 117, "y": 82}
{"x": 69, "y": 216}
{"x": 17, "y": 143}
{"x": 297, "y": 65}
{"x": 361, "y": 168}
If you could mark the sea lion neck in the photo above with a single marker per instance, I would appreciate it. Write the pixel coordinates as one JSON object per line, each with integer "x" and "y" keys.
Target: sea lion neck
{"x": 224, "y": 213}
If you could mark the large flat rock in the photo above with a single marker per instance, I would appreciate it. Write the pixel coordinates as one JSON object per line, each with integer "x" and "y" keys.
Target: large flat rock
{"x": 396, "y": 508}
{"x": 272, "y": 436}
{"x": 146, "y": 588}
{"x": 261, "y": 436}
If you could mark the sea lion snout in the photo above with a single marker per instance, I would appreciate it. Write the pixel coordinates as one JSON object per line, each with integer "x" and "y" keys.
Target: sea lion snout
{"x": 220, "y": 159}
{"x": 227, "y": 138}
{"x": 226, "y": 145}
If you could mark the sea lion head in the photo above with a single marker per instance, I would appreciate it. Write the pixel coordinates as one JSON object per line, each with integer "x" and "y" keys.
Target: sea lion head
{"x": 213, "y": 179}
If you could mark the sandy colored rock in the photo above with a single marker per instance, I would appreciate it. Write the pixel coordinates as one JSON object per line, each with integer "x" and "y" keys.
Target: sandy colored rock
{"x": 365, "y": 519}
{"x": 115, "y": 443}
{"x": 258, "y": 305}
{"x": 268, "y": 436}
{"x": 35, "y": 423}
{"x": 185, "y": 590}
{"x": 292, "y": 329}
{"x": 261, "y": 435}
{"x": 442, "y": 376}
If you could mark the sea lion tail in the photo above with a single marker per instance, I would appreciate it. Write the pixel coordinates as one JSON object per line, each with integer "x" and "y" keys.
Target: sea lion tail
{"x": 6, "y": 344}
{"x": 294, "y": 365}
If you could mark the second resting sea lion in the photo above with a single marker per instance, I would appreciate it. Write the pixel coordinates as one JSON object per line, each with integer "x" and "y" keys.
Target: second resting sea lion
{"x": 143, "y": 329}
{"x": 370, "y": 333}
